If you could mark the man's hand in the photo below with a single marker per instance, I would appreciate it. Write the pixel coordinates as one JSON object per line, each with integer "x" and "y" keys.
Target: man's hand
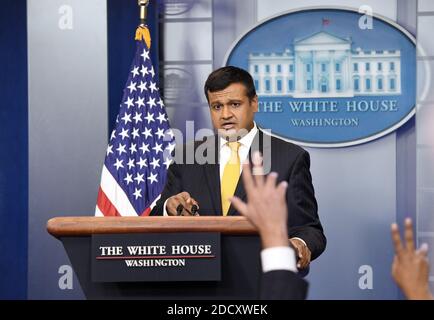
{"x": 266, "y": 208}
{"x": 410, "y": 267}
{"x": 302, "y": 251}
{"x": 183, "y": 199}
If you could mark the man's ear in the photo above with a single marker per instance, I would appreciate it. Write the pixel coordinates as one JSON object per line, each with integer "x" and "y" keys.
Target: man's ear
{"x": 254, "y": 103}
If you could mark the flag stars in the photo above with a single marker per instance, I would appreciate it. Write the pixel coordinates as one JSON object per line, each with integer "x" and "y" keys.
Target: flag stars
{"x": 137, "y": 193}
{"x": 155, "y": 163}
{"x": 113, "y": 135}
{"x": 157, "y": 148}
{"x": 144, "y": 148}
{"x": 119, "y": 164}
{"x": 139, "y": 178}
{"x": 142, "y": 86}
{"x": 171, "y": 147}
{"x": 145, "y": 54}
{"x": 153, "y": 87}
{"x": 132, "y": 148}
{"x": 147, "y": 133}
{"x": 126, "y": 118}
{"x": 109, "y": 150}
{"x": 129, "y": 102}
{"x": 169, "y": 132}
{"x": 140, "y": 102}
{"x": 128, "y": 178}
{"x": 121, "y": 149}
{"x": 142, "y": 163}
{"x": 132, "y": 86}
{"x": 150, "y": 117}
{"x": 152, "y": 72}
{"x": 135, "y": 71}
{"x": 137, "y": 118}
{"x": 161, "y": 117}
{"x": 160, "y": 133}
{"x": 130, "y": 163}
{"x": 161, "y": 103}
{"x": 152, "y": 178}
{"x": 151, "y": 102}
{"x": 167, "y": 162}
{"x": 124, "y": 133}
{"x": 135, "y": 132}
{"x": 144, "y": 71}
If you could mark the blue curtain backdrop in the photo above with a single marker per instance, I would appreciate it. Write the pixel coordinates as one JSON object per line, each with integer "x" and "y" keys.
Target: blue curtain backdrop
{"x": 14, "y": 150}
{"x": 122, "y": 21}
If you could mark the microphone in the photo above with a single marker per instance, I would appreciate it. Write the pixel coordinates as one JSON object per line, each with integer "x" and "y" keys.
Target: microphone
{"x": 179, "y": 209}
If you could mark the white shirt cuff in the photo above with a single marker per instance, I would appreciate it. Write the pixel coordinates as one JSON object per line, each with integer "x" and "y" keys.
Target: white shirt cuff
{"x": 278, "y": 258}
{"x": 164, "y": 209}
{"x": 300, "y": 240}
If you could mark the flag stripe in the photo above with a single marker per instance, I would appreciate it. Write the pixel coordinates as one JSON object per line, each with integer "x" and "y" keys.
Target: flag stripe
{"x": 104, "y": 205}
{"x": 98, "y": 212}
{"x": 113, "y": 191}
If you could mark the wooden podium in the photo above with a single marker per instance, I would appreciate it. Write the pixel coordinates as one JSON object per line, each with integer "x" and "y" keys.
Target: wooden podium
{"x": 240, "y": 259}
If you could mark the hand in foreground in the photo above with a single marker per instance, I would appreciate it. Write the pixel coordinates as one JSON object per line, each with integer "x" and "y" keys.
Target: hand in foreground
{"x": 410, "y": 268}
{"x": 181, "y": 204}
{"x": 266, "y": 208}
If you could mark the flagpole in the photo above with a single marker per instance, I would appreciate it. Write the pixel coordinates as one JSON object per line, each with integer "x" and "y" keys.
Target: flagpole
{"x": 143, "y": 4}
{"x": 142, "y": 32}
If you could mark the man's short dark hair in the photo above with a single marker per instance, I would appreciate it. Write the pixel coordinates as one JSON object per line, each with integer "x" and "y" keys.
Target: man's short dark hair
{"x": 222, "y": 78}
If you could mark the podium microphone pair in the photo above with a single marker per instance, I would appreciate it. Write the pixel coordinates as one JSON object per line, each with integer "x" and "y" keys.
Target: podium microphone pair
{"x": 180, "y": 207}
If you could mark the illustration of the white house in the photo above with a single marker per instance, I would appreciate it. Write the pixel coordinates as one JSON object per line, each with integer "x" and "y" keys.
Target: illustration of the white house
{"x": 324, "y": 65}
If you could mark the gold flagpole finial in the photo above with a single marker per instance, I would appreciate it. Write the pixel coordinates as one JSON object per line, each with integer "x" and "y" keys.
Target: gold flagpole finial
{"x": 142, "y": 32}
{"x": 143, "y": 4}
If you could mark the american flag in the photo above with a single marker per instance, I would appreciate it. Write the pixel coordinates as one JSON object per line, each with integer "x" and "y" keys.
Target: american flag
{"x": 325, "y": 22}
{"x": 138, "y": 153}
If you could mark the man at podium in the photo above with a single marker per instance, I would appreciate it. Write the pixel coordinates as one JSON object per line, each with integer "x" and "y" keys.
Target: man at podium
{"x": 206, "y": 174}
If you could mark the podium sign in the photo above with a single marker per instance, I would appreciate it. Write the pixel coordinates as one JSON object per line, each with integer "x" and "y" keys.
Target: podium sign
{"x": 234, "y": 273}
{"x": 158, "y": 257}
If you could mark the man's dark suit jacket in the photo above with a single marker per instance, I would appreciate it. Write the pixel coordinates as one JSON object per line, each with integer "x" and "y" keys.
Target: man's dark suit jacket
{"x": 202, "y": 181}
{"x": 282, "y": 285}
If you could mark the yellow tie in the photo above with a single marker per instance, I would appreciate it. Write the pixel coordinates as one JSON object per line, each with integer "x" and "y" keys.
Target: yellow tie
{"x": 231, "y": 174}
